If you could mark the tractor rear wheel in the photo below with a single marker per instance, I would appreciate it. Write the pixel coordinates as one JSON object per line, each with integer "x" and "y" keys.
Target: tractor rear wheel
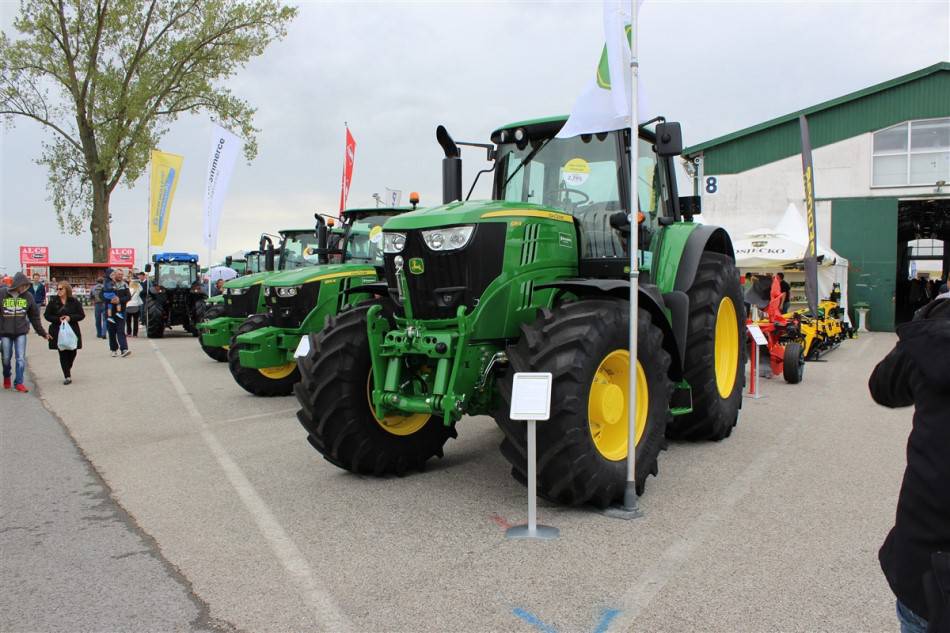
{"x": 155, "y": 318}
{"x": 582, "y": 448}
{"x": 220, "y": 354}
{"x": 335, "y": 409}
{"x": 269, "y": 381}
{"x": 793, "y": 362}
{"x": 714, "y": 351}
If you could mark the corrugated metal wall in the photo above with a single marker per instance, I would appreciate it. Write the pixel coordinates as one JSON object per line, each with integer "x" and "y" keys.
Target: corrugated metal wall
{"x": 864, "y": 230}
{"x": 927, "y": 97}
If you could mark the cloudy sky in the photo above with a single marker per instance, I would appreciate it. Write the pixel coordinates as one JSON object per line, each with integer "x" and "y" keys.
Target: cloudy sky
{"x": 394, "y": 71}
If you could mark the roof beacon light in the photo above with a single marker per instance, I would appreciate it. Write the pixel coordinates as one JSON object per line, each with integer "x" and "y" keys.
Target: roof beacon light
{"x": 414, "y": 199}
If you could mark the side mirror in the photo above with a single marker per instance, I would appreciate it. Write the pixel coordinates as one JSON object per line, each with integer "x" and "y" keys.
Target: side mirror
{"x": 269, "y": 257}
{"x": 669, "y": 139}
{"x": 148, "y": 268}
{"x": 228, "y": 261}
{"x": 691, "y": 205}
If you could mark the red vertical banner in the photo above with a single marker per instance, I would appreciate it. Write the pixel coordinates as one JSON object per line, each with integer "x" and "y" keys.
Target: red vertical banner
{"x": 34, "y": 256}
{"x": 348, "y": 160}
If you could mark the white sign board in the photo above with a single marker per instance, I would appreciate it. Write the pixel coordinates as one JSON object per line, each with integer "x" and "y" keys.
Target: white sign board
{"x": 531, "y": 396}
{"x": 757, "y": 335}
{"x": 303, "y": 347}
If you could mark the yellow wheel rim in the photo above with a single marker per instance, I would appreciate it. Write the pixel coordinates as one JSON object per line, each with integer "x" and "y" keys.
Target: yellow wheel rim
{"x": 395, "y": 423}
{"x": 607, "y": 404}
{"x": 726, "y": 352}
{"x": 278, "y": 372}
{"x": 225, "y": 347}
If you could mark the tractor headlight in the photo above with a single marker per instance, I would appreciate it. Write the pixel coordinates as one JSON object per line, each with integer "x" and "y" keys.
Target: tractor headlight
{"x": 448, "y": 239}
{"x": 236, "y": 291}
{"x": 393, "y": 242}
{"x": 267, "y": 291}
{"x": 287, "y": 291}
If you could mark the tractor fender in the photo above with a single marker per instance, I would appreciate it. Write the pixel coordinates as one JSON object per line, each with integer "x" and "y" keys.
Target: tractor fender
{"x": 648, "y": 298}
{"x": 703, "y": 238}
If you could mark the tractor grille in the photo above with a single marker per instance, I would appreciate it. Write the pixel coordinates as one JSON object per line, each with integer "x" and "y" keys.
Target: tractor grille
{"x": 242, "y": 305}
{"x": 289, "y": 312}
{"x": 452, "y": 278}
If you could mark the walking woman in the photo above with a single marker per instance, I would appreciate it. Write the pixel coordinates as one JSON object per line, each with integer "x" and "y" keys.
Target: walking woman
{"x": 133, "y": 309}
{"x": 64, "y": 310}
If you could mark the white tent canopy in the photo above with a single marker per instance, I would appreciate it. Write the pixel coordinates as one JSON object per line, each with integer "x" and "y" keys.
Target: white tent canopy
{"x": 783, "y": 248}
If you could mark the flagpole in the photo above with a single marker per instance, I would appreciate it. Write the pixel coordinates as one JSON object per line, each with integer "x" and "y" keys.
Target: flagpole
{"x": 148, "y": 234}
{"x": 630, "y": 501}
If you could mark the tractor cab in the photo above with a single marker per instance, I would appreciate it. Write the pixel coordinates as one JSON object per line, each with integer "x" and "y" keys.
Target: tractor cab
{"x": 175, "y": 270}
{"x": 587, "y": 177}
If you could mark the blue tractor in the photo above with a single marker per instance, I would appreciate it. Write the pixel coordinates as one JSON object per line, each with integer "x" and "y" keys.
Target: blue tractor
{"x": 175, "y": 295}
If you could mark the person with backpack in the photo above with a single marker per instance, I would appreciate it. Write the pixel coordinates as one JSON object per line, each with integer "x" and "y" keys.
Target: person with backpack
{"x": 62, "y": 310}
{"x": 17, "y": 312}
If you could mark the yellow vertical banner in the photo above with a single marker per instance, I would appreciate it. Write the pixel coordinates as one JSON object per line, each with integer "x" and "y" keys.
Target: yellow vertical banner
{"x": 164, "y": 179}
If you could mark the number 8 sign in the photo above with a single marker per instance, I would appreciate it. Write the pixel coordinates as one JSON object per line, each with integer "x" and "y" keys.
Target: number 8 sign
{"x": 711, "y": 185}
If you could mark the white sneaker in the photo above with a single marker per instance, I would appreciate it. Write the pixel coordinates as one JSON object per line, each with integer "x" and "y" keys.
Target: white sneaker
{"x": 115, "y": 354}
{"x": 126, "y": 353}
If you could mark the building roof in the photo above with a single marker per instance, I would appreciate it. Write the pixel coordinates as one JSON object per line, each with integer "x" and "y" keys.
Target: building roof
{"x": 903, "y": 98}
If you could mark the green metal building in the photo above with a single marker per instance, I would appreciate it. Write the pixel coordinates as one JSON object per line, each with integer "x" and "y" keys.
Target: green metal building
{"x": 882, "y": 183}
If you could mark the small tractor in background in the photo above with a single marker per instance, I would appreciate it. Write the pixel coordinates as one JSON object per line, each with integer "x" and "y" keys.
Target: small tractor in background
{"x": 297, "y": 302}
{"x": 537, "y": 279}
{"x": 175, "y": 296}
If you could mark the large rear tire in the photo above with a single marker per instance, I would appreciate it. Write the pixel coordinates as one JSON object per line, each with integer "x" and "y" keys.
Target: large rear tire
{"x": 268, "y": 382}
{"x": 219, "y": 354}
{"x": 793, "y": 363}
{"x": 582, "y": 448}
{"x": 714, "y": 351}
{"x": 335, "y": 381}
{"x": 155, "y": 319}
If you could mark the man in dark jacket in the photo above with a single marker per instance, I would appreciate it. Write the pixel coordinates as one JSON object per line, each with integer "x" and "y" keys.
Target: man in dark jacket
{"x": 38, "y": 290}
{"x": 915, "y": 556}
{"x": 99, "y": 308}
{"x": 17, "y": 311}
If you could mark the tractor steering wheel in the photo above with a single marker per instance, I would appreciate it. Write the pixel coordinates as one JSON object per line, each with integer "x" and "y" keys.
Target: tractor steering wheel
{"x": 568, "y": 191}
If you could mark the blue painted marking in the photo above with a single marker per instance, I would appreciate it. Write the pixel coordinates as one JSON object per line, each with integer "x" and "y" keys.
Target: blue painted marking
{"x": 605, "y": 619}
{"x": 534, "y": 621}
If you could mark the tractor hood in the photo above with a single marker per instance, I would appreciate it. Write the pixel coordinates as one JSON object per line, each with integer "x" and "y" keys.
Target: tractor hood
{"x": 471, "y": 213}
{"x": 246, "y": 281}
{"x": 299, "y": 276}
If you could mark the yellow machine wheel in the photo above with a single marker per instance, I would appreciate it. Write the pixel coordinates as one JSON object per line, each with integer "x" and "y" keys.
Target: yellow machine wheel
{"x": 395, "y": 423}
{"x": 726, "y": 347}
{"x": 278, "y": 372}
{"x": 608, "y": 401}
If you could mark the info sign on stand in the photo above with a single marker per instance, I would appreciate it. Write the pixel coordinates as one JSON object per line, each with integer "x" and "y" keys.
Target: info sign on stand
{"x": 531, "y": 401}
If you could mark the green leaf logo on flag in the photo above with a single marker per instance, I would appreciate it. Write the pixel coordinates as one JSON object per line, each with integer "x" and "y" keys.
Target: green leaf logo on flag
{"x": 603, "y": 68}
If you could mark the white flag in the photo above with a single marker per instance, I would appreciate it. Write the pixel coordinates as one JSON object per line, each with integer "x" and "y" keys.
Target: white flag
{"x": 605, "y": 104}
{"x": 393, "y": 197}
{"x": 225, "y": 148}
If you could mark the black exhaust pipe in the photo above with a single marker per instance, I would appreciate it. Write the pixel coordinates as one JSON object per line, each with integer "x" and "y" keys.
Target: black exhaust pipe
{"x": 451, "y": 167}
{"x": 267, "y": 246}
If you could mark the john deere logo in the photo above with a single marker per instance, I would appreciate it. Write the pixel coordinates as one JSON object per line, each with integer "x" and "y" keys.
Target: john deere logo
{"x": 416, "y": 266}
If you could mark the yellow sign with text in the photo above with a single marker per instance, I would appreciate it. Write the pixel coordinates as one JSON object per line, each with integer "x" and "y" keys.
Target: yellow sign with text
{"x": 166, "y": 169}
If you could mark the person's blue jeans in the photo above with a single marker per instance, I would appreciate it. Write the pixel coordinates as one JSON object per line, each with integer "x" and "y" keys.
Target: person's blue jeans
{"x": 100, "y": 320}
{"x": 910, "y": 622}
{"x": 117, "y": 339}
{"x": 14, "y": 345}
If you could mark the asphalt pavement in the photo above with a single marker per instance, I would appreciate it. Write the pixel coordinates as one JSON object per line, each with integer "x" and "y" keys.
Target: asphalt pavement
{"x": 774, "y": 529}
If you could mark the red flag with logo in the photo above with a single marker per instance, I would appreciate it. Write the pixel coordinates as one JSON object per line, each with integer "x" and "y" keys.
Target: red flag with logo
{"x": 347, "y": 168}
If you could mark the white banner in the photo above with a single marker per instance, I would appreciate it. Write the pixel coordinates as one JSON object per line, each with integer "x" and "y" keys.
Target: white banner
{"x": 225, "y": 148}
{"x": 393, "y": 197}
{"x": 605, "y": 103}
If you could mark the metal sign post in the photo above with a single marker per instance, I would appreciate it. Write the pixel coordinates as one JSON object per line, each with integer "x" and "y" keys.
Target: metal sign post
{"x": 531, "y": 401}
{"x": 756, "y": 338}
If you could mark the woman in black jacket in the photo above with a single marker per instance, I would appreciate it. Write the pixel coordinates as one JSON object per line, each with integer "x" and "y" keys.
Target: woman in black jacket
{"x": 64, "y": 308}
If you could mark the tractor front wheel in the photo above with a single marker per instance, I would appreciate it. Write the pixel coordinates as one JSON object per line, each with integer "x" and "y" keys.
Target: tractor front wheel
{"x": 335, "y": 408}
{"x": 155, "y": 320}
{"x": 219, "y": 354}
{"x": 714, "y": 351}
{"x": 269, "y": 381}
{"x": 793, "y": 363}
{"x": 582, "y": 448}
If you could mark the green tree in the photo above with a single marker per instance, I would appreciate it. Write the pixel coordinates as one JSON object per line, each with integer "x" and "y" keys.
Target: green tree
{"x": 108, "y": 77}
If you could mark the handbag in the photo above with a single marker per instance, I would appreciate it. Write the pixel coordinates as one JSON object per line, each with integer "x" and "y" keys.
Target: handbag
{"x": 66, "y": 339}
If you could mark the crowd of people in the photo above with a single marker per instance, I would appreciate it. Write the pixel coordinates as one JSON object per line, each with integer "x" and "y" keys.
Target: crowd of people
{"x": 117, "y": 306}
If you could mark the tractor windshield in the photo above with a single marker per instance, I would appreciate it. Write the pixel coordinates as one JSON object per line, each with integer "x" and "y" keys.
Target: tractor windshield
{"x": 365, "y": 242}
{"x": 176, "y": 274}
{"x": 300, "y": 249}
{"x": 584, "y": 176}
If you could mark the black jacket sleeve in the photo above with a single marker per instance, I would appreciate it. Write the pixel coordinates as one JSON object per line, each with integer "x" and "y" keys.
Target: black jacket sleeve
{"x": 51, "y": 313}
{"x": 33, "y": 313}
{"x": 75, "y": 311}
{"x": 891, "y": 381}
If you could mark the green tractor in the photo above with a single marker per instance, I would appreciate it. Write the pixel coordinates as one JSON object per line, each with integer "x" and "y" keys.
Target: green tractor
{"x": 538, "y": 279}
{"x": 261, "y": 354}
{"x": 242, "y": 296}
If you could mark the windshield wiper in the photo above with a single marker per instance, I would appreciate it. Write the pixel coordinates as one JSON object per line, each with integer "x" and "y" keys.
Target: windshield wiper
{"x": 527, "y": 159}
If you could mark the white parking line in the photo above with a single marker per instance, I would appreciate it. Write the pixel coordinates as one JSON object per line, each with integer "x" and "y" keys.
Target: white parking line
{"x": 268, "y": 414}
{"x": 283, "y": 547}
